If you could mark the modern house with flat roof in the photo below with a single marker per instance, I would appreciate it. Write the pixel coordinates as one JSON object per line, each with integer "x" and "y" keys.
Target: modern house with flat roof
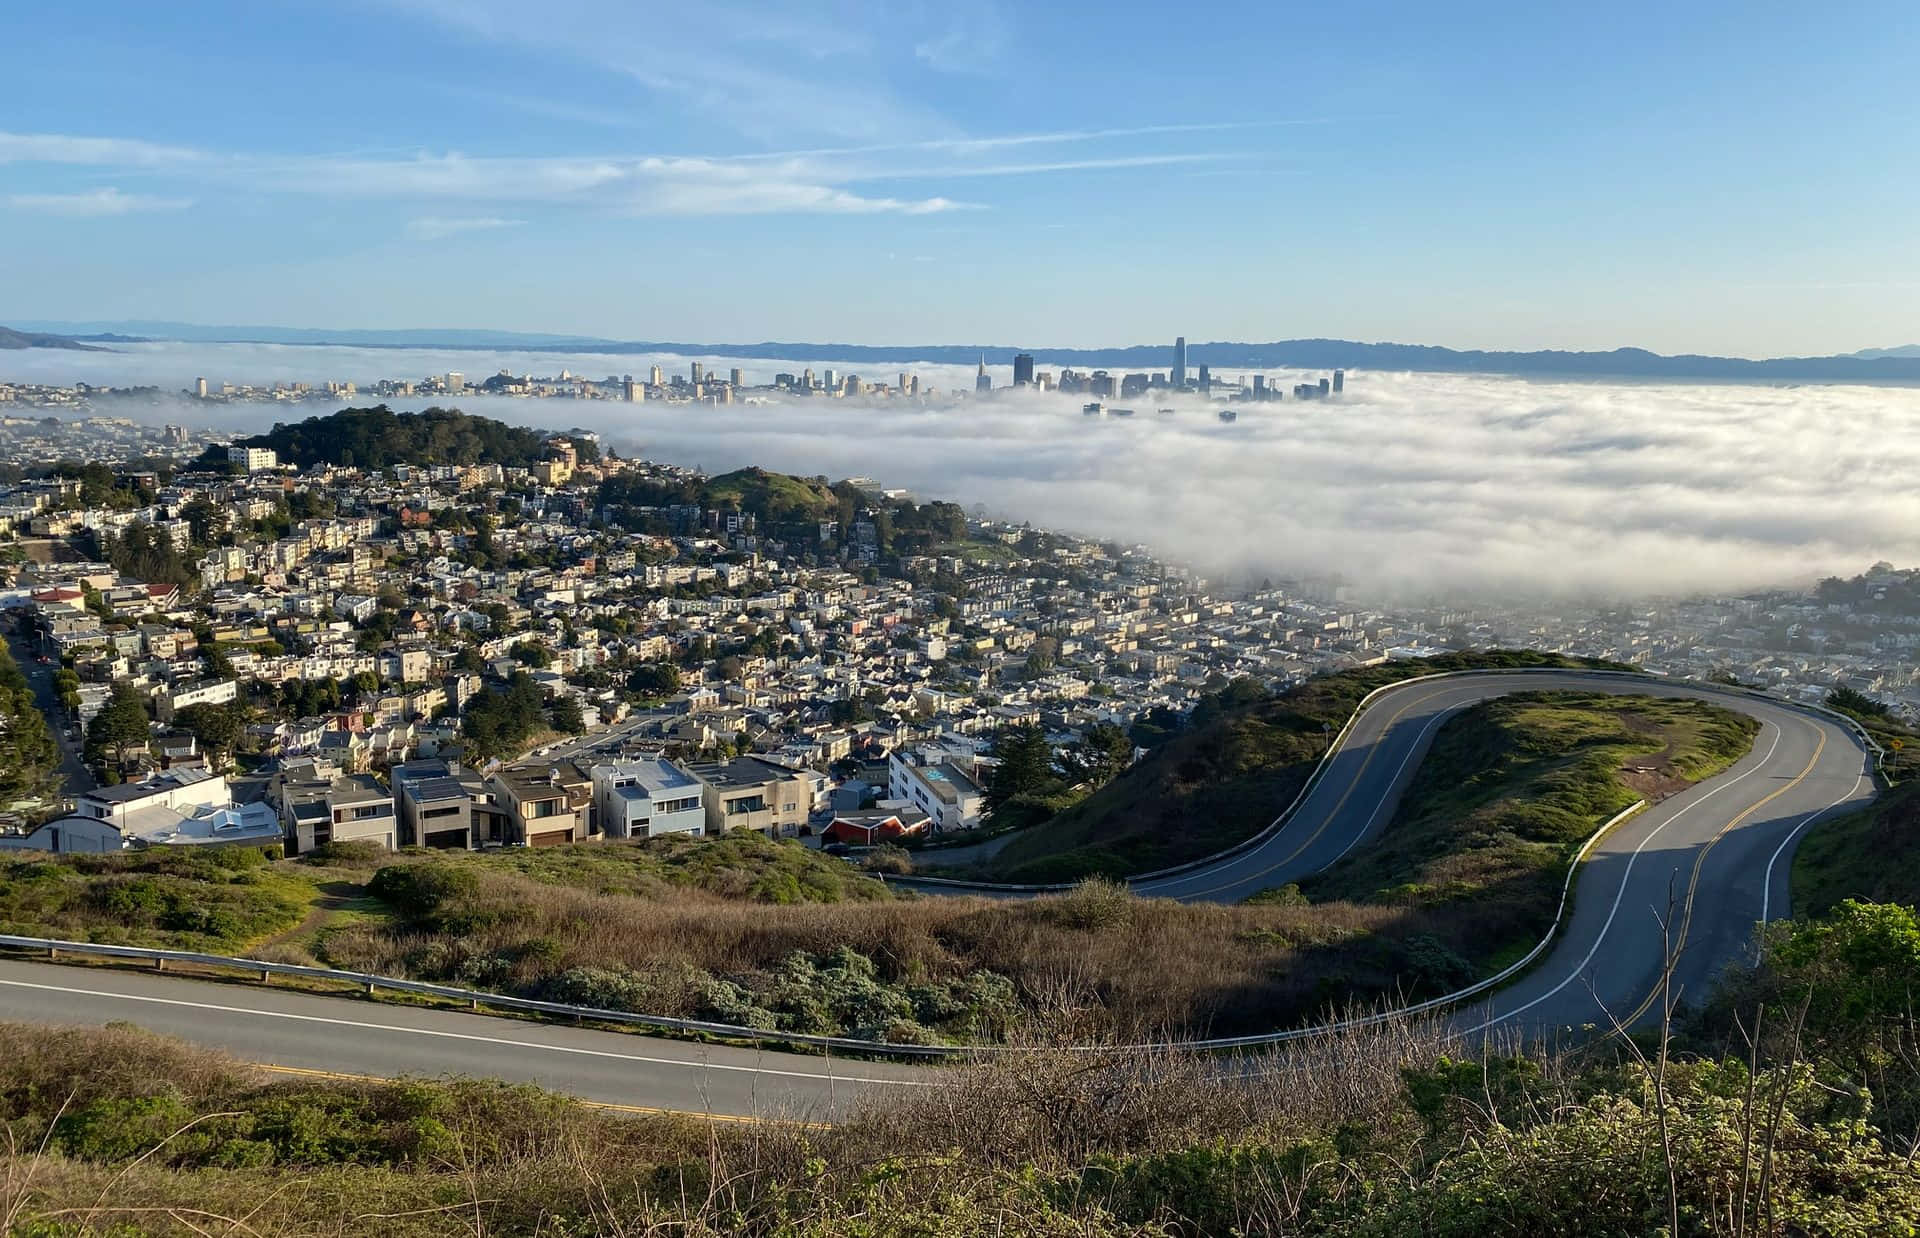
{"x": 543, "y": 806}
{"x": 748, "y": 793}
{"x": 647, "y": 797}
{"x": 941, "y": 789}
{"x": 350, "y": 808}
{"x": 180, "y": 808}
{"x": 436, "y": 803}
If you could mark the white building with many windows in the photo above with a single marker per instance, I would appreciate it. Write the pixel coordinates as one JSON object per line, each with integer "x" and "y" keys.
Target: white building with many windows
{"x": 645, "y": 798}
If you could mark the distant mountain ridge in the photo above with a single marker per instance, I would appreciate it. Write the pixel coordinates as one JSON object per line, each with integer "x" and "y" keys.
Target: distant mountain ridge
{"x": 11, "y": 339}
{"x": 1893, "y": 365}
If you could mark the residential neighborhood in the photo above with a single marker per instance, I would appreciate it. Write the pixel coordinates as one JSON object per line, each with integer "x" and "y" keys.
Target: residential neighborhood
{"x": 586, "y": 647}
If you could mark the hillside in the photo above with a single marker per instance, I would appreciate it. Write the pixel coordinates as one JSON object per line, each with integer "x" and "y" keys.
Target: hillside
{"x": 11, "y": 339}
{"x": 1871, "y": 854}
{"x": 774, "y": 497}
{"x": 1900, "y": 365}
{"x": 1506, "y": 795}
{"x": 377, "y": 437}
{"x": 1217, "y": 783}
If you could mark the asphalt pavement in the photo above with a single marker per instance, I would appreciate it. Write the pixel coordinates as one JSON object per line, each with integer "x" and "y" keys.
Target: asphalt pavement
{"x": 1696, "y": 871}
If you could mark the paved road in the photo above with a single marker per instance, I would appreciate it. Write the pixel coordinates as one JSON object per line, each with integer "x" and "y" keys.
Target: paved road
{"x": 1722, "y": 848}
{"x": 79, "y": 779}
{"x": 351, "y": 1035}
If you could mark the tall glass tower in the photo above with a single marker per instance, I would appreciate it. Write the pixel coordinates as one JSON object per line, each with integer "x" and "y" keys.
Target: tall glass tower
{"x": 1180, "y": 362}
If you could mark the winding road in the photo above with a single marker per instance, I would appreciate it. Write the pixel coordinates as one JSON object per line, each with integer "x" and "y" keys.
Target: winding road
{"x": 1717, "y": 854}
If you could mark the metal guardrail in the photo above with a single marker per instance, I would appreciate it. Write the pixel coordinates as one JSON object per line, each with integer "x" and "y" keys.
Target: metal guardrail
{"x": 1280, "y": 822}
{"x": 475, "y": 999}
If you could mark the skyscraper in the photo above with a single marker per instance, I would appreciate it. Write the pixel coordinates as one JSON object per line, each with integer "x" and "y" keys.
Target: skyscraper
{"x": 1023, "y": 370}
{"x": 1339, "y": 381}
{"x": 734, "y": 377}
{"x": 981, "y": 382}
{"x": 696, "y": 373}
{"x": 657, "y": 379}
{"x": 1180, "y": 362}
{"x": 1206, "y": 380}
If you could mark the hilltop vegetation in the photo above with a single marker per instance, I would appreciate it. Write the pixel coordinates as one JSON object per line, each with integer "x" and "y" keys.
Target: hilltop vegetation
{"x": 1377, "y": 1133}
{"x": 1241, "y": 759}
{"x": 1873, "y": 854}
{"x": 1507, "y": 793}
{"x": 377, "y": 437}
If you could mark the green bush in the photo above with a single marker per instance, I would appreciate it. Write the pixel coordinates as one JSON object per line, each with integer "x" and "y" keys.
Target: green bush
{"x": 421, "y": 891}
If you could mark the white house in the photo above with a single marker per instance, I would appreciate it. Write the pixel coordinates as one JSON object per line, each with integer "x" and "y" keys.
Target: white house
{"x": 182, "y": 807}
{"x": 948, "y": 795}
{"x": 646, "y": 798}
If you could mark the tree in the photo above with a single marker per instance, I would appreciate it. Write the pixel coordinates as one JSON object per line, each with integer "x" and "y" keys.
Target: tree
{"x": 533, "y": 653}
{"x": 564, "y": 715}
{"x": 217, "y": 728}
{"x": 120, "y": 724}
{"x": 1101, "y": 754}
{"x": 1025, "y": 765}
{"x": 655, "y": 679}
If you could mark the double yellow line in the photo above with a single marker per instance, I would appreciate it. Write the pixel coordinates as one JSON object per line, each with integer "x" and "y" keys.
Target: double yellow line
{"x": 1359, "y": 776}
{"x": 1677, "y": 944}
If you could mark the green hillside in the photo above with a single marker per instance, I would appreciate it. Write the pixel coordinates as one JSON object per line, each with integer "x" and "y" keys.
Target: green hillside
{"x": 374, "y": 438}
{"x": 1222, "y": 780}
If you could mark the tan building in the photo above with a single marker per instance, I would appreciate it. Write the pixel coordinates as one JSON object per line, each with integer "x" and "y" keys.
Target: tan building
{"x": 543, "y": 805}
{"x": 748, "y": 793}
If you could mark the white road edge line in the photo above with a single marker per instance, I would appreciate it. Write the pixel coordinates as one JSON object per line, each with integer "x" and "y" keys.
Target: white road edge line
{"x": 1621, "y": 893}
{"x": 1766, "y": 890}
{"x": 490, "y": 1040}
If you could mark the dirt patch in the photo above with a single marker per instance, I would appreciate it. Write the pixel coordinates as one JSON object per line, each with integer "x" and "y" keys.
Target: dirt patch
{"x": 1651, "y": 775}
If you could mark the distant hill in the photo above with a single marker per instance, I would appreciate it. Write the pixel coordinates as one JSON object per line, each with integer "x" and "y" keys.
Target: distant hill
{"x": 1891, "y": 365}
{"x": 9, "y": 338}
{"x": 378, "y": 437}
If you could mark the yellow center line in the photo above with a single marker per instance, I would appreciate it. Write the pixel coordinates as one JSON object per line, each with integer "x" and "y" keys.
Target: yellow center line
{"x": 1693, "y": 880}
{"x": 1353, "y": 786}
{"x": 342, "y": 1077}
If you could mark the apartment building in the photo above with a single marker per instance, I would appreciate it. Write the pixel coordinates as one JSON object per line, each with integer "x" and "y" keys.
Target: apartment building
{"x": 647, "y": 798}
{"x": 748, "y": 793}
{"x": 345, "y": 808}
{"x": 441, "y": 806}
{"x": 948, "y": 794}
{"x": 543, "y": 805}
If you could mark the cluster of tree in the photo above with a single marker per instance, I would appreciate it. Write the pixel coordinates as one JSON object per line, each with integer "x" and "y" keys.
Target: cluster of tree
{"x": 377, "y": 437}
{"x": 100, "y": 486}
{"x": 1025, "y": 786}
{"x": 29, "y": 757}
{"x": 502, "y": 717}
{"x": 146, "y": 552}
{"x": 1858, "y": 704}
{"x": 218, "y": 729}
{"x": 119, "y": 728}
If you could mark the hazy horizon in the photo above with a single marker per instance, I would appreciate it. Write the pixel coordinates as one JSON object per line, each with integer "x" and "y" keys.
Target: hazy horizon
{"x": 1413, "y": 485}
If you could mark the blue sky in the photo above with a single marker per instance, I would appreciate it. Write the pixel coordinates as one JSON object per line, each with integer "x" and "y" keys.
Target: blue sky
{"x": 1714, "y": 177}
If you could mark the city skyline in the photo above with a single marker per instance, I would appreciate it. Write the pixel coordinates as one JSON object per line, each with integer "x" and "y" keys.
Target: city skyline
{"x": 818, "y": 172}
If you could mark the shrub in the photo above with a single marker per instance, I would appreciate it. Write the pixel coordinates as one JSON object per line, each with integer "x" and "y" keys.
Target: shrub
{"x": 348, "y": 853}
{"x": 421, "y": 891}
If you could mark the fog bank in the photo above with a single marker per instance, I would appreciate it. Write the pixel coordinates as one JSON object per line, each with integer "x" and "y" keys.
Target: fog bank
{"x": 1412, "y": 485}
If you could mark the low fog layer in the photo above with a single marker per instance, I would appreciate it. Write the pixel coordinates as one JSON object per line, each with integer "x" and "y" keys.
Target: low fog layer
{"x": 1411, "y": 485}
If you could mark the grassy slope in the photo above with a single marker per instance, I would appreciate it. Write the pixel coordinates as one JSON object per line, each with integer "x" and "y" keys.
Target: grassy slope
{"x": 1872, "y": 854}
{"x": 1212, "y": 787}
{"x": 1511, "y": 787}
{"x": 784, "y": 497}
{"x": 116, "y": 1132}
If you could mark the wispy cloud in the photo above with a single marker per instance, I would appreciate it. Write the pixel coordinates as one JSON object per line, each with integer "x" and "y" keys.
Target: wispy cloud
{"x": 438, "y": 227}
{"x": 105, "y": 152}
{"x": 95, "y": 202}
{"x": 817, "y": 181}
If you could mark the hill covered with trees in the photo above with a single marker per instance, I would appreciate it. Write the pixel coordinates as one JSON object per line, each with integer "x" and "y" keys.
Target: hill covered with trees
{"x": 374, "y": 438}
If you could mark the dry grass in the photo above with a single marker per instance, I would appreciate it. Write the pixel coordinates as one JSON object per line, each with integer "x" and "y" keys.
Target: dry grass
{"x": 1145, "y": 966}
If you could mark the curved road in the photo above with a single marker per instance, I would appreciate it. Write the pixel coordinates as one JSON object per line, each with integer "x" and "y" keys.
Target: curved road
{"x": 1721, "y": 849}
